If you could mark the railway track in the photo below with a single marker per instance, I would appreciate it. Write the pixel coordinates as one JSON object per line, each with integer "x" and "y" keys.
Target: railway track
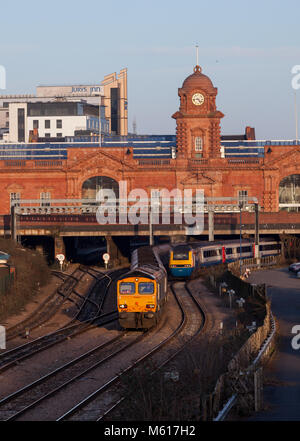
{"x": 76, "y": 326}
{"x": 49, "y": 306}
{"x": 92, "y": 408}
{"x": 25, "y": 399}
{"x": 105, "y": 399}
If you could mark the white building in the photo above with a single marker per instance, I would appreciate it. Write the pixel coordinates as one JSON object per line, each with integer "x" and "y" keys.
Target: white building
{"x": 110, "y": 92}
{"x": 55, "y": 119}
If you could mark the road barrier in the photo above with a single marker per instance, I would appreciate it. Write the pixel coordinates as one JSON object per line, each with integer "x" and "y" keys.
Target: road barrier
{"x": 242, "y": 385}
{"x": 254, "y": 264}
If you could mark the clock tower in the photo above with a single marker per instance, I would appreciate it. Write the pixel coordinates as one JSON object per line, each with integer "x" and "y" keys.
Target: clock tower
{"x": 198, "y": 120}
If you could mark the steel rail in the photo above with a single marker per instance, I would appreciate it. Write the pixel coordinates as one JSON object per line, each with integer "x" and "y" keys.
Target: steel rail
{"x": 24, "y": 351}
{"x": 200, "y": 330}
{"x": 61, "y": 369}
{"x": 53, "y": 300}
{"x": 78, "y": 407}
{"x": 105, "y": 318}
{"x": 171, "y": 357}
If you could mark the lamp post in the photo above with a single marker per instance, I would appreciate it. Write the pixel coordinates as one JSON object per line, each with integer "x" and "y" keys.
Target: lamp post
{"x": 151, "y": 241}
{"x": 257, "y": 255}
{"x": 296, "y": 117}
{"x": 100, "y": 121}
{"x": 240, "y": 207}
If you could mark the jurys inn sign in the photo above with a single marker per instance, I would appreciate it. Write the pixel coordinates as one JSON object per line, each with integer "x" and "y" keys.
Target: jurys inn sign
{"x": 89, "y": 90}
{"x": 76, "y": 90}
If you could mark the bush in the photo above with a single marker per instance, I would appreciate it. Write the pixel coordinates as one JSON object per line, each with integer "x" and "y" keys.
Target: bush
{"x": 31, "y": 272}
{"x": 157, "y": 397}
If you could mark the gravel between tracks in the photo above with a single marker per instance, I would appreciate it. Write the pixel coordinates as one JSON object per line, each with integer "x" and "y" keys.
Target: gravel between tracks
{"x": 39, "y": 365}
{"x": 58, "y": 320}
{"x": 54, "y": 407}
{"x": 43, "y": 293}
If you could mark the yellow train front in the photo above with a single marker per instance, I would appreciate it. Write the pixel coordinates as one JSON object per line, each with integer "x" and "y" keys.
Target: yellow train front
{"x": 182, "y": 261}
{"x": 142, "y": 294}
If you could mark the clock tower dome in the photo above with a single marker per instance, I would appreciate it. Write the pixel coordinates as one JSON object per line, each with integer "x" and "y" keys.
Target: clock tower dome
{"x": 198, "y": 120}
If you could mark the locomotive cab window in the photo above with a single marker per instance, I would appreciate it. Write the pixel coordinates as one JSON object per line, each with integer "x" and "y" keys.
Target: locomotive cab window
{"x": 180, "y": 255}
{"x": 127, "y": 288}
{"x": 146, "y": 288}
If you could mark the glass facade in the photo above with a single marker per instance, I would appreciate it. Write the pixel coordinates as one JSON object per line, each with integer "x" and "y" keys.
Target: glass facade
{"x": 114, "y": 99}
{"x": 21, "y": 125}
{"x": 52, "y": 109}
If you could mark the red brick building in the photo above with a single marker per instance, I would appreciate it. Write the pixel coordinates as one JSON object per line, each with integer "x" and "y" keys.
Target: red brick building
{"x": 198, "y": 163}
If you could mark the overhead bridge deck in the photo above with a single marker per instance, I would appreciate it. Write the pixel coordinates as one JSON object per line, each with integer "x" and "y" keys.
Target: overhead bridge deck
{"x": 87, "y": 225}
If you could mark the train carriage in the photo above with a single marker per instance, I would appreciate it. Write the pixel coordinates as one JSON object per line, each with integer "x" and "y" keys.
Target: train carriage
{"x": 203, "y": 254}
{"x": 142, "y": 292}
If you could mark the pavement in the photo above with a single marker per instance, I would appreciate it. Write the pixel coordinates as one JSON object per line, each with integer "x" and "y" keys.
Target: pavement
{"x": 282, "y": 385}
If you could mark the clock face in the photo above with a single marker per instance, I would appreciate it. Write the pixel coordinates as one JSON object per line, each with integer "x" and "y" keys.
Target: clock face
{"x": 198, "y": 99}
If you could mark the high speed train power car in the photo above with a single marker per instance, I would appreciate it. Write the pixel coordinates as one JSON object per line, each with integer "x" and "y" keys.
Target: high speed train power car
{"x": 185, "y": 258}
{"x": 182, "y": 261}
{"x": 142, "y": 292}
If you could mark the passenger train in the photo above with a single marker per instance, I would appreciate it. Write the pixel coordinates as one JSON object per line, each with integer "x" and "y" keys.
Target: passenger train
{"x": 185, "y": 258}
{"x": 142, "y": 292}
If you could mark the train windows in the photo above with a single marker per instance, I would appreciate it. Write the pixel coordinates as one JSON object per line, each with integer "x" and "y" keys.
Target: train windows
{"x": 146, "y": 288}
{"x": 244, "y": 249}
{"x": 228, "y": 251}
{"x": 210, "y": 253}
{"x": 270, "y": 246}
{"x": 127, "y": 288}
{"x": 180, "y": 255}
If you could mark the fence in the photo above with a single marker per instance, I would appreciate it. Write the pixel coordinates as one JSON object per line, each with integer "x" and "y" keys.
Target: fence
{"x": 242, "y": 385}
{"x": 254, "y": 264}
{"x": 7, "y": 274}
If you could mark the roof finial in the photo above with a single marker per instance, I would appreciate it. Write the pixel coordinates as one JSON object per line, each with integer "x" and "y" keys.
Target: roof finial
{"x": 197, "y": 68}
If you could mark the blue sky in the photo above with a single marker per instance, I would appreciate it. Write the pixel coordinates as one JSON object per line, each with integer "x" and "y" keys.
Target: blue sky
{"x": 247, "y": 48}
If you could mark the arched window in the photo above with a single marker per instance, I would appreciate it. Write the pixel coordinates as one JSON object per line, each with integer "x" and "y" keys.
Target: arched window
{"x": 289, "y": 193}
{"x": 91, "y": 186}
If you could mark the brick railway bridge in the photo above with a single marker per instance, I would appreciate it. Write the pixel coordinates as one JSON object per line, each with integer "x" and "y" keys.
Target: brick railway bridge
{"x": 73, "y": 218}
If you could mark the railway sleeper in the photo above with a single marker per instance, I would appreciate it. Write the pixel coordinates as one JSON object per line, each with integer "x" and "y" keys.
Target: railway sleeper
{"x": 138, "y": 320}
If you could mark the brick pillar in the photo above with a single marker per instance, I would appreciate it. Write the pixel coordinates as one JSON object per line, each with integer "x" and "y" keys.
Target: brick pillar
{"x": 116, "y": 257}
{"x": 59, "y": 246}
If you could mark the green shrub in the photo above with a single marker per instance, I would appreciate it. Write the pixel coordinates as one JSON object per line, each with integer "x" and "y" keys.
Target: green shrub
{"x": 31, "y": 272}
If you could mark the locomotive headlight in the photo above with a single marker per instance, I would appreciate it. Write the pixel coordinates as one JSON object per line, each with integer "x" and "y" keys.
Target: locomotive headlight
{"x": 123, "y": 306}
{"x": 150, "y": 306}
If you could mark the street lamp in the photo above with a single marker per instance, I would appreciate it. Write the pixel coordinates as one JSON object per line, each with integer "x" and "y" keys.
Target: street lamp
{"x": 99, "y": 120}
{"x": 257, "y": 254}
{"x": 241, "y": 204}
